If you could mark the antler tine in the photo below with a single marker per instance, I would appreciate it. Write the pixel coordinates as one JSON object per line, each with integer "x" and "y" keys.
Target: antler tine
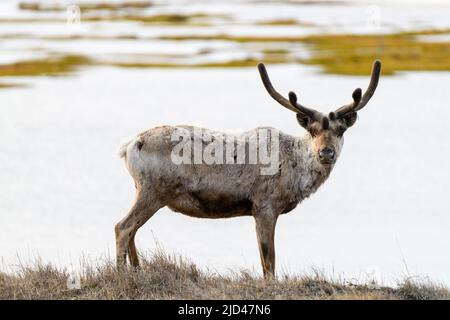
{"x": 372, "y": 85}
{"x": 306, "y": 111}
{"x": 356, "y": 95}
{"x": 359, "y": 101}
{"x": 297, "y": 108}
{"x": 271, "y": 90}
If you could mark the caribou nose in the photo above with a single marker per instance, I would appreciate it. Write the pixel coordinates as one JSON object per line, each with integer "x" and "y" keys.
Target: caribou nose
{"x": 327, "y": 154}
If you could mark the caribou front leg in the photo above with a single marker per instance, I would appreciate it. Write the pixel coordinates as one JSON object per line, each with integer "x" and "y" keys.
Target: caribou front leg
{"x": 265, "y": 233}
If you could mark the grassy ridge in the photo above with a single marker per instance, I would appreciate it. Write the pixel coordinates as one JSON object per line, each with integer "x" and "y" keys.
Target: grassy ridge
{"x": 9, "y": 85}
{"x": 85, "y": 6}
{"x": 170, "y": 277}
{"x": 346, "y": 54}
{"x": 44, "y": 67}
{"x": 336, "y": 54}
{"x": 351, "y": 54}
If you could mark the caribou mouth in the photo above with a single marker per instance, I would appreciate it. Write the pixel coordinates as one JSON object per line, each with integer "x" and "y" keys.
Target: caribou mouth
{"x": 326, "y": 162}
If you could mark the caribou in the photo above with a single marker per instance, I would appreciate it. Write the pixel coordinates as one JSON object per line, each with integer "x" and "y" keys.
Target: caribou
{"x": 224, "y": 190}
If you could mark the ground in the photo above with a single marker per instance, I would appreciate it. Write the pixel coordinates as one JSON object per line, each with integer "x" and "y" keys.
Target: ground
{"x": 163, "y": 276}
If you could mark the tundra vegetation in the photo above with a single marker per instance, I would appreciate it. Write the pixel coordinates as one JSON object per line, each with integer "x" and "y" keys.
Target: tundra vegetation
{"x": 9, "y": 85}
{"x": 163, "y": 276}
{"x": 85, "y": 6}
{"x": 58, "y": 65}
{"x": 335, "y": 54}
{"x": 345, "y": 54}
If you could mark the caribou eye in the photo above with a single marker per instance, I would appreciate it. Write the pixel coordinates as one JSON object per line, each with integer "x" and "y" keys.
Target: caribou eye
{"x": 341, "y": 131}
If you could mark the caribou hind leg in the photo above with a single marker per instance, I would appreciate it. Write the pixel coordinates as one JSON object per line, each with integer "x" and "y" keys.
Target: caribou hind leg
{"x": 143, "y": 209}
{"x": 132, "y": 253}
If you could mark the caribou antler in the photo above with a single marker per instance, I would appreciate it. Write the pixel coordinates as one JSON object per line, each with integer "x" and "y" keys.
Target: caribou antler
{"x": 280, "y": 99}
{"x": 306, "y": 111}
{"x": 359, "y": 100}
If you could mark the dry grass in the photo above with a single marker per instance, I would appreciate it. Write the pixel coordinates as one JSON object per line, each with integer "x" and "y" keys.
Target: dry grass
{"x": 171, "y": 277}
{"x": 4, "y": 85}
{"x": 336, "y": 54}
{"x": 198, "y": 19}
{"x": 346, "y": 54}
{"x": 351, "y": 54}
{"x": 86, "y": 6}
{"x": 238, "y": 63}
{"x": 116, "y": 12}
{"x": 279, "y": 22}
{"x": 232, "y": 38}
{"x": 50, "y": 66}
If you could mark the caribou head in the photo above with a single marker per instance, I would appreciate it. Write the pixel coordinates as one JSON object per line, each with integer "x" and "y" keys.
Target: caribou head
{"x": 326, "y": 131}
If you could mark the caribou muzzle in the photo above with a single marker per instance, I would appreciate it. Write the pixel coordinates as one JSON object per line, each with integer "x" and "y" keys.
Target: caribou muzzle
{"x": 327, "y": 156}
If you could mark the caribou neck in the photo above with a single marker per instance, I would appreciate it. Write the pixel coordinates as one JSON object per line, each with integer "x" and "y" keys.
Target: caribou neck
{"x": 310, "y": 173}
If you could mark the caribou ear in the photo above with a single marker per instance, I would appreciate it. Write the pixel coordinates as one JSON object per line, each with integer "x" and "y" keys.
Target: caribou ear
{"x": 303, "y": 120}
{"x": 350, "y": 119}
